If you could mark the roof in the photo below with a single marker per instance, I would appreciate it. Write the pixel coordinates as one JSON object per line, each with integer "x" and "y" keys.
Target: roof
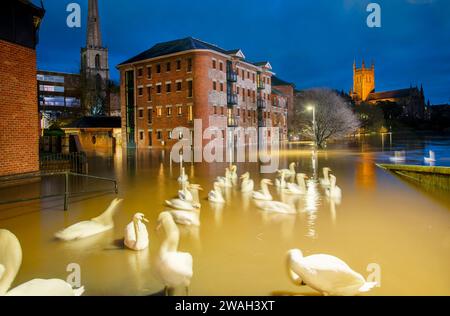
{"x": 187, "y": 44}
{"x": 96, "y": 122}
{"x": 278, "y": 92}
{"x": 280, "y": 82}
{"x": 176, "y": 46}
{"x": 402, "y": 93}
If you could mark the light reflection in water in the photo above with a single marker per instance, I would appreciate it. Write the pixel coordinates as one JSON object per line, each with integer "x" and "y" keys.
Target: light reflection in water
{"x": 311, "y": 206}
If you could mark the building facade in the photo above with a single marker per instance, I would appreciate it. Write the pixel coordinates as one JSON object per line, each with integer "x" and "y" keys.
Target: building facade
{"x": 411, "y": 100}
{"x": 174, "y": 83}
{"x": 288, "y": 90}
{"x": 59, "y": 96}
{"x": 19, "y": 119}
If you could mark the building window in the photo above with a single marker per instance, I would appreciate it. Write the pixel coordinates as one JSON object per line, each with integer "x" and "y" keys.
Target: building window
{"x": 248, "y": 75}
{"x": 169, "y": 111}
{"x": 141, "y": 113}
{"x": 150, "y": 116}
{"x": 190, "y": 114}
{"x": 238, "y": 90}
{"x": 97, "y": 61}
{"x": 221, "y": 66}
{"x": 243, "y": 94}
{"x": 179, "y": 86}
{"x": 221, "y": 86}
{"x": 189, "y": 65}
{"x": 169, "y": 134}
{"x": 159, "y": 135}
{"x": 141, "y": 91}
{"x": 94, "y": 140}
{"x": 215, "y": 110}
{"x": 141, "y": 135}
{"x": 168, "y": 66}
{"x": 248, "y": 93}
{"x": 149, "y": 93}
{"x": 159, "y": 111}
{"x": 179, "y": 110}
{"x": 214, "y": 64}
{"x": 222, "y": 110}
{"x": 243, "y": 74}
{"x": 140, "y": 72}
{"x": 158, "y": 89}
{"x": 190, "y": 90}
{"x": 168, "y": 87}
{"x": 254, "y": 78}
{"x": 158, "y": 69}
{"x": 178, "y": 64}
{"x": 214, "y": 85}
{"x": 149, "y": 72}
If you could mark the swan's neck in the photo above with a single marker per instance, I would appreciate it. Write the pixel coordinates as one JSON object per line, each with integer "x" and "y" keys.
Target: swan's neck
{"x": 294, "y": 277}
{"x": 11, "y": 265}
{"x": 107, "y": 217}
{"x": 325, "y": 175}
{"x": 301, "y": 183}
{"x": 170, "y": 244}
{"x": 136, "y": 229}
{"x": 265, "y": 189}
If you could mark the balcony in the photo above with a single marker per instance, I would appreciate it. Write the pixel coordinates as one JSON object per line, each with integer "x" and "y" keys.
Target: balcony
{"x": 232, "y": 75}
{"x": 232, "y": 99}
{"x": 261, "y": 103}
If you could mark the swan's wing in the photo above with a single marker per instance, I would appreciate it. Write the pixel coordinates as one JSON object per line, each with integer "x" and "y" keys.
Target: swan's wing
{"x": 181, "y": 263}
{"x": 2, "y": 270}
{"x": 82, "y": 230}
{"x": 130, "y": 233}
{"x": 331, "y": 273}
{"x": 185, "y": 218}
{"x": 39, "y": 287}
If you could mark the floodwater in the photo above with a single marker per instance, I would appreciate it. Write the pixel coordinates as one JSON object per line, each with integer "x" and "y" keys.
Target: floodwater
{"x": 238, "y": 249}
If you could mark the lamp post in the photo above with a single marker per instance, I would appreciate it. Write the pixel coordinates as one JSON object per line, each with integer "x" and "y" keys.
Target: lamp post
{"x": 313, "y": 109}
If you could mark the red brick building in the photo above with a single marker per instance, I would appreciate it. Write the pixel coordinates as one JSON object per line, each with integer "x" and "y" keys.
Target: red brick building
{"x": 19, "y": 119}
{"x": 175, "y": 82}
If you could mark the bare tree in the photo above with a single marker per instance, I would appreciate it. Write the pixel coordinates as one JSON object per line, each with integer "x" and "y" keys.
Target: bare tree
{"x": 334, "y": 117}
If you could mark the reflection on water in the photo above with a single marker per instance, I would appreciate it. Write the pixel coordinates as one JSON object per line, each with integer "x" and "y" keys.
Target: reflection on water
{"x": 381, "y": 219}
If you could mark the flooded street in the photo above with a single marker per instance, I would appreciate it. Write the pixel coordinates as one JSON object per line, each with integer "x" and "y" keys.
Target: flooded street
{"x": 238, "y": 249}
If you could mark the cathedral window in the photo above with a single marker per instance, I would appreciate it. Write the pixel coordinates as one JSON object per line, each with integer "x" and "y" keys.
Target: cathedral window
{"x": 97, "y": 61}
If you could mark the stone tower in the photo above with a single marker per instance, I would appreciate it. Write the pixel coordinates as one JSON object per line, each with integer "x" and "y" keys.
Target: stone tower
{"x": 94, "y": 65}
{"x": 363, "y": 82}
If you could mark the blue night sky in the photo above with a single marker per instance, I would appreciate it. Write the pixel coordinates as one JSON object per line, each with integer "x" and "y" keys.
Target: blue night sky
{"x": 309, "y": 42}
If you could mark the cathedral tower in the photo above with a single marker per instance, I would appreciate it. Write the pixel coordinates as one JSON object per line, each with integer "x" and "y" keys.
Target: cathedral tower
{"x": 363, "y": 82}
{"x": 94, "y": 64}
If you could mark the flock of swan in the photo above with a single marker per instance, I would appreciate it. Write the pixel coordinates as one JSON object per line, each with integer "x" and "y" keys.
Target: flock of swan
{"x": 400, "y": 157}
{"x": 326, "y": 274}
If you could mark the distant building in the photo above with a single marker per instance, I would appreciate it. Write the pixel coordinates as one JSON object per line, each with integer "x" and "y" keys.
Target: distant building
{"x": 175, "y": 82}
{"x": 288, "y": 89}
{"x": 100, "y": 135}
{"x": 19, "y": 119}
{"x": 412, "y": 100}
{"x": 94, "y": 66}
{"x": 59, "y": 96}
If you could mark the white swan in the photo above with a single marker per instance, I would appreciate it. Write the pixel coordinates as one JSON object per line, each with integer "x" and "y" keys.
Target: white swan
{"x": 175, "y": 268}
{"x": 326, "y": 274}
{"x": 233, "y": 174}
{"x": 400, "y": 156}
{"x": 247, "y": 184}
{"x": 216, "y": 195}
{"x": 281, "y": 182}
{"x": 334, "y": 191}
{"x": 10, "y": 262}
{"x": 92, "y": 227}
{"x": 183, "y": 176}
{"x": 185, "y": 218}
{"x": 179, "y": 204}
{"x": 276, "y": 207}
{"x": 325, "y": 181}
{"x": 136, "y": 234}
{"x": 299, "y": 187}
{"x": 432, "y": 157}
{"x": 190, "y": 193}
{"x": 291, "y": 172}
{"x": 226, "y": 181}
{"x": 264, "y": 193}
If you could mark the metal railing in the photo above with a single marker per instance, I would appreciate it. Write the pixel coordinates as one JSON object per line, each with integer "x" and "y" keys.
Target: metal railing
{"x": 67, "y": 194}
{"x": 75, "y": 162}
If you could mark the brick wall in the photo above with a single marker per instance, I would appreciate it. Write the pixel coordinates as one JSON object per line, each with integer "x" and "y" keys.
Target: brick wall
{"x": 19, "y": 122}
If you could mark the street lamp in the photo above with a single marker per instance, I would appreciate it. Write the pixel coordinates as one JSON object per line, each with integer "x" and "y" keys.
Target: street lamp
{"x": 313, "y": 109}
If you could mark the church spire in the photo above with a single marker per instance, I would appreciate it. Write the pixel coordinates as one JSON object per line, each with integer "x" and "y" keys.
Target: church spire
{"x": 94, "y": 37}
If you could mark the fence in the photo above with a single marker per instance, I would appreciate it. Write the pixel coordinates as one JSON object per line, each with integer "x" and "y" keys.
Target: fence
{"x": 73, "y": 162}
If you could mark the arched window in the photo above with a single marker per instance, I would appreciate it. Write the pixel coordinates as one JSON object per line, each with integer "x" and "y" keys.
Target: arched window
{"x": 97, "y": 61}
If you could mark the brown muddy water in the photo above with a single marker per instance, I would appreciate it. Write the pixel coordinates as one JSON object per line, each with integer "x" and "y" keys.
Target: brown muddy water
{"x": 239, "y": 250}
